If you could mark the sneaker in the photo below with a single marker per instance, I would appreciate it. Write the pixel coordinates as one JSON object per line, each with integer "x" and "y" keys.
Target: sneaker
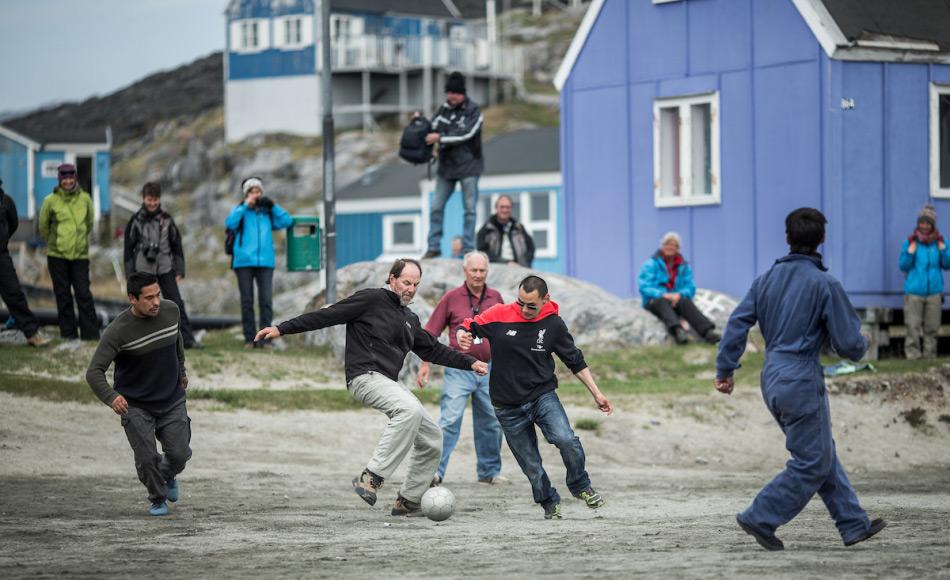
{"x": 876, "y": 526}
{"x": 712, "y": 337}
{"x": 768, "y": 541}
{"x": 679, "y": 335}
{"x": 37, "y": 340}
{"x": 250, "y": 345}
{"x": 171, "y": 490}
{"x": 591, "y": 497}
{"x": 158, "y": 509}
{"x": 404, "y": 507}
{"x": 366, "y": 485}
{"x": 431, "y": 254}
{"x": 553, "y": 512}
{"x": 436, "y": 481}
{"x": 494, "y": 480}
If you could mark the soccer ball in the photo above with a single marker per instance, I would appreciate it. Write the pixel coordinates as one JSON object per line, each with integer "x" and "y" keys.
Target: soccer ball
{"x": 438, "y": 504}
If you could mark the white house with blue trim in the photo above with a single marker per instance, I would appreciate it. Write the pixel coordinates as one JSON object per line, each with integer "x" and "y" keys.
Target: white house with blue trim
{"x": 385, "y": 214}
{"x": 715, "y": 118}
{"x": 29, "y": 159}
{"x": 388, "y": 57}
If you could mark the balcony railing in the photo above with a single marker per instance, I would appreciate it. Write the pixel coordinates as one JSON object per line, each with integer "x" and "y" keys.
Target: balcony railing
{"x": 368, "y": 52}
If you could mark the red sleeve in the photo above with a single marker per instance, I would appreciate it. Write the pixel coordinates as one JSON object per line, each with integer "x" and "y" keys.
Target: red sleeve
{"x": 439, "y": 318}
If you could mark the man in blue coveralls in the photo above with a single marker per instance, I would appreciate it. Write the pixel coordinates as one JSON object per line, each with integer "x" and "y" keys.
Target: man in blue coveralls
{"x": 798, "y": 305}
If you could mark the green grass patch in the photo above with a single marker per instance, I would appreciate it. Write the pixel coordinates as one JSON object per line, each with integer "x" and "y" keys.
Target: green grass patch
{"x": 47, "y": 389}
{"x": 587, "y": 425}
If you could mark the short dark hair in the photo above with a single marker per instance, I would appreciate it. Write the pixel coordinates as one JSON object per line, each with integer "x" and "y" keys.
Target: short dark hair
{"x": 805, "y": 230}
{"x": 151, "y": 189}
{"x": 139, "y": 280}
{"x": 399, "y": 265}
{"x": 534, "y": 283}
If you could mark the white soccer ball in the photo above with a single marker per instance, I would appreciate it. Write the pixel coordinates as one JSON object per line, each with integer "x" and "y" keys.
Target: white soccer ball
{"x": 438, "y": 503}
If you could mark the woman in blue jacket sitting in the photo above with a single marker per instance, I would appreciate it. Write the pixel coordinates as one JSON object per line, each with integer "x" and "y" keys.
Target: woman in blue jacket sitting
{"x": 254, "y": 220}
{"x": 923, "y": 257}
{"x": 667, "y": 289}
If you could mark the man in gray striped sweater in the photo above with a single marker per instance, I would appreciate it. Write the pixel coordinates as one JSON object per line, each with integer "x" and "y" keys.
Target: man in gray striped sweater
{"x": 146, "y": 346}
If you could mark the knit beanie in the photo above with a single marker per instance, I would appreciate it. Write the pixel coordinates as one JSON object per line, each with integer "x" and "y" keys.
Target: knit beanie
{"x": 928, "y": 214}
{"x": 66, "y": 170}
{"x": 455, "y": 83}
{"x": 668, "y": 236}
{"x": 251, "y": 183}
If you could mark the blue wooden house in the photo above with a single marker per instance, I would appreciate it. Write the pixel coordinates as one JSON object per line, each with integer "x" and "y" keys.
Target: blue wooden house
{"x": 29, "y": 159}
{"x": 385, "y": 214}
{"x": 388, "y": 57}
{"x": 715, "y": 118}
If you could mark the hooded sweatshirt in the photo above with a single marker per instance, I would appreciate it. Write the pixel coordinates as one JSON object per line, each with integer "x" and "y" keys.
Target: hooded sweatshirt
{"x": 66, "y": 222}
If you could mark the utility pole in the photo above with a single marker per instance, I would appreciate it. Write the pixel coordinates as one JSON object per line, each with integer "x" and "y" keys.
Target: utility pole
{"x": 329, "y": 177}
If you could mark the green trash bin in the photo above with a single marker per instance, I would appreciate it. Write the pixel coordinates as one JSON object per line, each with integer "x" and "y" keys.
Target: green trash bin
{"x": 303, "y": 244}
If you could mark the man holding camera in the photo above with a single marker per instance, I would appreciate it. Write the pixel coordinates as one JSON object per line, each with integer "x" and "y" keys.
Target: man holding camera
{"x": 153, "y": 246}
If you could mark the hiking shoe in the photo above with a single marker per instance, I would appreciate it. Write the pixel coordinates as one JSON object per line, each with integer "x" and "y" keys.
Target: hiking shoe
{"x": 591, "y": 497}
{"x": 404, "y": 507}
{"x": 158, "y": 509}
{"x": 436, "y": 481}
{"x": 171, "y": 490}
{"x": 679, "y": 335}
{"x": 366, "y": 485}
{"x": 37, "y": 340}
{"x": 768, "y": 541}
{"x": 876, "y": 526}
{"x": 431, "y": 254}
{"x": 712, "y": 337}
{"x": 494, "y": 480}
{"x": 553, "y": 512}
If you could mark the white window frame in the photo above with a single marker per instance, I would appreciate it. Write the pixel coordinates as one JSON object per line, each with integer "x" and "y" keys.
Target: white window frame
{"x": 524, "y": 204}
{"x": 280, "y": 31}
{"x": 936, "y": 91}
{"x": 263, "y": 35}
{"x": 685, "y": 153}
{"x": 664, "y": 1}
{"x": 389, "y": 246}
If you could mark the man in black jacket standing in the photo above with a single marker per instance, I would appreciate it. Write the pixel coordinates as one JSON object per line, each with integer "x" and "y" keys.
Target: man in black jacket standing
{"x": 153, "y": 245}
{"x": 504, "y": 239}
{"x": 10, "y": 290}
{"x": 380, "y": 331}
{"x": 457, "y": 128}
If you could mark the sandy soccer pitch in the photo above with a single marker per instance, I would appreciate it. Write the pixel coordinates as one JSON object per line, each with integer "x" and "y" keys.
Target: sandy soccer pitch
{"x": 268, "y": 495}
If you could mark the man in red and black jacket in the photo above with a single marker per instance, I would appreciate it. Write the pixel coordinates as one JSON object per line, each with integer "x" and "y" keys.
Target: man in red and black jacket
{"x": 522, "y": 337}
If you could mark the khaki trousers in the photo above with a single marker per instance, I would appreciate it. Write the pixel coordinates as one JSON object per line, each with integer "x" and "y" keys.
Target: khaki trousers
{"x": 922, "y": 319}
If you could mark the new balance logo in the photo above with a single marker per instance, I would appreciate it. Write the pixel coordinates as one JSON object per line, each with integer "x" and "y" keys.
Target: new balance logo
{"x": 512, "y": 332}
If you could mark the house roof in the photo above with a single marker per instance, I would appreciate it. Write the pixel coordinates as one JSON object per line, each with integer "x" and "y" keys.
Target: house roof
{"x": 864, "y": 30}
{"x": 521, "y": 152}
{"x": 43, "y": 135}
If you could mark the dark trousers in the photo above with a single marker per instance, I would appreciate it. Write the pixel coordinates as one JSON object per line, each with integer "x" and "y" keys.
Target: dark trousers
{"x": 547, "y": 413}
{"x": 12, "y": 295}
{"x": 264, "y": 277}
{"x": 669, "y": 314}
{"x": 169, "y": 288}
{"x": 172, "y": 428}
{"x": 72, "y": 277}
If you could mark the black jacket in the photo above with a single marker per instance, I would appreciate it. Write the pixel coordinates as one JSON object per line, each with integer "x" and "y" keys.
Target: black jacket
{"x": 460, "y": 147}
{"x": 133, "y": 239}
{"x": 9, "y": 222}
{"x": 379, "y": 333}
{"x": 490, "y": 238}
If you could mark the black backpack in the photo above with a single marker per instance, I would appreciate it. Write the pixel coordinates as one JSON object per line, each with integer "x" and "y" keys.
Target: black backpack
{"x": 230, "y": 235}
{"x": 412, "y": 145}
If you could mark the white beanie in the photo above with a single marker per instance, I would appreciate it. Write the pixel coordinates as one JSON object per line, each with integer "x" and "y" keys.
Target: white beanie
{"x": 251, "y": 183}
{"x": 671, "y": 236}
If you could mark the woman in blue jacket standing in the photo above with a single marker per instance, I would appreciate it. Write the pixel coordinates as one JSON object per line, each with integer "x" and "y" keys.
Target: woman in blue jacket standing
{"x": 667, "y": 290}
{"x": 254, "y": 221}
{"x": 923, "y": 257}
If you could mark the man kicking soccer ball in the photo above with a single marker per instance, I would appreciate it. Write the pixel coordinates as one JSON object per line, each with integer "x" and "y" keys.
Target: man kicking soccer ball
{"x": 522, "y": 386}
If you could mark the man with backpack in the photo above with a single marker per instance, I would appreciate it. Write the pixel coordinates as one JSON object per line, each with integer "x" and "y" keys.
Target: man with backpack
{"x": 457, "y": 128}
{"x": 153, "y": 245}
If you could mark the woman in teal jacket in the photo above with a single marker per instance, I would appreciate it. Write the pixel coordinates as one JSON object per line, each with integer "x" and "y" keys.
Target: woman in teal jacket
{"x": 667, "y": 290}
{"x": 924, "y": 256}
{"x": 254, "y": 220}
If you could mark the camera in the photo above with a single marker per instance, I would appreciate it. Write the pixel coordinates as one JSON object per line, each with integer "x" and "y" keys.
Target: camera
{"x": 151, "y": 251}
{"x": 265, "y": 202}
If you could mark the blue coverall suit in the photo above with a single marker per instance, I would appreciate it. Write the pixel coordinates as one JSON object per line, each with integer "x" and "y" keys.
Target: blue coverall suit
{"x": 798, "y": 305}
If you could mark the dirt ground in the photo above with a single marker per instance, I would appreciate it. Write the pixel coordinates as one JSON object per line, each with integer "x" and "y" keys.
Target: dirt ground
{"x": 269, "y": 494}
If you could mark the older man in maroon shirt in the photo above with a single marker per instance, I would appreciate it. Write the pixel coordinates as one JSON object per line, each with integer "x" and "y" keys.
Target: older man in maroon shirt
{"x": 466, "y": 301}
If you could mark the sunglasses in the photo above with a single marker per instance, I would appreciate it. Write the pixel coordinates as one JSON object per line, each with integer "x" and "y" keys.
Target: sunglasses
{"x": 67, "y": 174}
{"x": 526, "y": 305}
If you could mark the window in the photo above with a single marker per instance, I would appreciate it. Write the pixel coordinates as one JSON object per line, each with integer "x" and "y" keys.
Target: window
{"x": 940, "y": 141}
{"x": 686, "y": 151}
{"x": 293, "y": 32}
{"x": 537, "y": 212}
{"x": 401, "y": 233}
{"x": 250, "y": 35}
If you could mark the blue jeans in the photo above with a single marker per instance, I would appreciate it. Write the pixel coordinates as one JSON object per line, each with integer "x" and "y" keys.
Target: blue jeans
{"x": 547, "y": 413}
{"x": 265, "y": 286}
{"x": 794, "y": 391}
{"x": 444, "y": 188}
{"x": 457, "y": 387}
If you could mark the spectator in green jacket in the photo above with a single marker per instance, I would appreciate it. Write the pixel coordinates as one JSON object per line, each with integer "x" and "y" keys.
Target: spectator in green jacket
{"x": 65, "y": 224}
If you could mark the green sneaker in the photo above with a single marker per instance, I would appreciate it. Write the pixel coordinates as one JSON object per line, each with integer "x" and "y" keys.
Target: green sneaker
{"x": 553, "y": 512}
{"x": 591, "y": 497}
